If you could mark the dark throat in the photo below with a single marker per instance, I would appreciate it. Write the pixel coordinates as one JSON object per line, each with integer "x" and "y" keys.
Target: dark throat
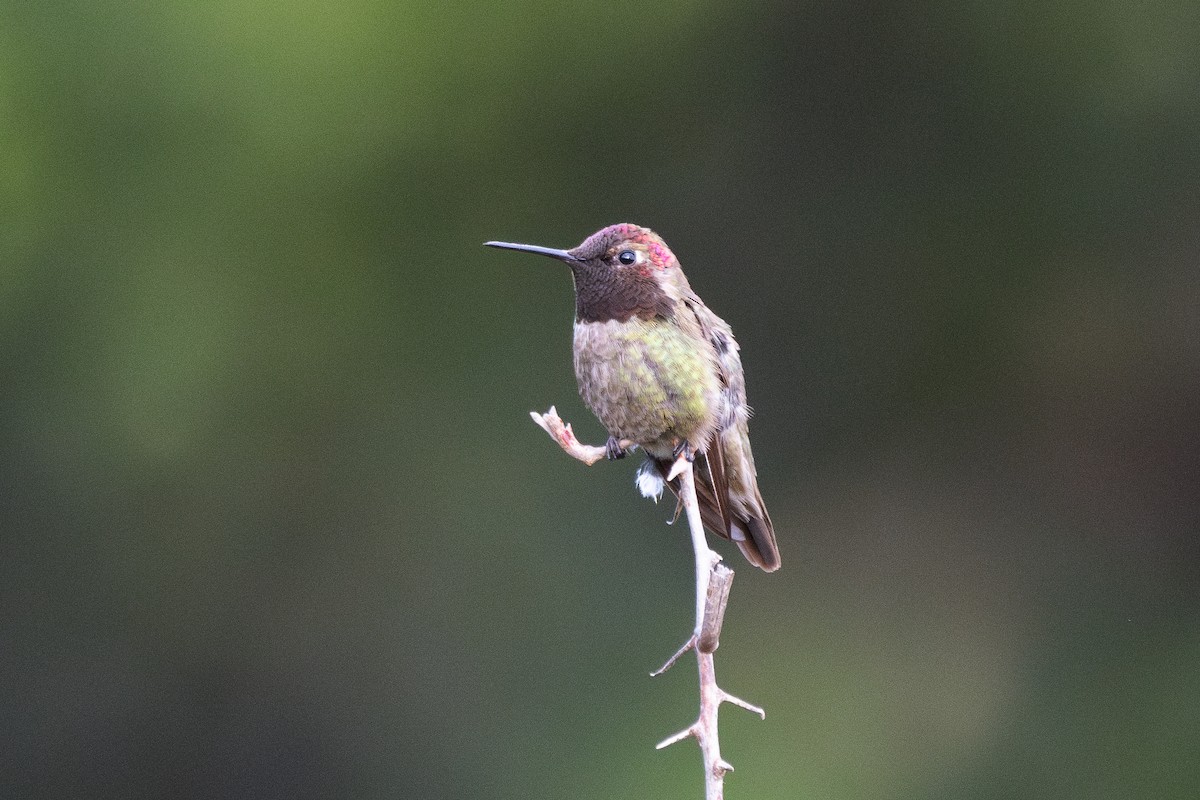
{"x": 602, "y": 295}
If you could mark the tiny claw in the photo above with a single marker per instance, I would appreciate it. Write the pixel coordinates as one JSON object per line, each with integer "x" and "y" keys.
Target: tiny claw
{"x": 613, "y": 449}
{"x": 686, "y": 450}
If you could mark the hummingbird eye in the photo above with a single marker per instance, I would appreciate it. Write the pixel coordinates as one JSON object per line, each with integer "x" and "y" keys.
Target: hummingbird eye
{"x": 627, "y": 257}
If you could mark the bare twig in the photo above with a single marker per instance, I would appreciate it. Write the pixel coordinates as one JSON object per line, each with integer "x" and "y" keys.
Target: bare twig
{"x": 561, "y": 432}
{"x": 713, "y": 581}
{"x": 708, "y": 628}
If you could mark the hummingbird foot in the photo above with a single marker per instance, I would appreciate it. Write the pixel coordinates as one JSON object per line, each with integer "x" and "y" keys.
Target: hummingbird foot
{"x": 685, "y": 450}
{"x": 613, "y": 449}
{"x": 684, "y": 455}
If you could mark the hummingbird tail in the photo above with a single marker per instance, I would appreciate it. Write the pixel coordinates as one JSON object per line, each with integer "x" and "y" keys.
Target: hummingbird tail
{"x": 761, "y": 541}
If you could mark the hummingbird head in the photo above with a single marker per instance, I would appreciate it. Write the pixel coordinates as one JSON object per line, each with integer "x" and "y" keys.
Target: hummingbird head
{"x": 620, "y": 272}
{"x": 627, "y": 246}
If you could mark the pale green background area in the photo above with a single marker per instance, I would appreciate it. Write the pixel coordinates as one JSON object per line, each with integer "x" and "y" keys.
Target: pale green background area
{"x": 274, "y": 520}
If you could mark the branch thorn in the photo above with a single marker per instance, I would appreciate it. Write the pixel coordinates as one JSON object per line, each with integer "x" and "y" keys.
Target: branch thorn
{"x": 688, "y": 645}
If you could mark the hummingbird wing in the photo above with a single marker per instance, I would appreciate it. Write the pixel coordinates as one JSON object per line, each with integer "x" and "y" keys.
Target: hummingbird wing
{"x": 726, "y": 480}
{"x": 714, "y": 463}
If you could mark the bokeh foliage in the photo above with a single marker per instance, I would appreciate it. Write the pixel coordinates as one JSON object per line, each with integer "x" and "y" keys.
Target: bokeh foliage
{"x": 274, "y": 520}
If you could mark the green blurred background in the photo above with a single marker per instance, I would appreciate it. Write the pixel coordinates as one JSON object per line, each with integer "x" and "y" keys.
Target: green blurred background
{"x": 274, "y": 519}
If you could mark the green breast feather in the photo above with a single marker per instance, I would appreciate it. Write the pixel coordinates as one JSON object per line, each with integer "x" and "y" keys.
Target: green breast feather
{"x": 646, "y": 380}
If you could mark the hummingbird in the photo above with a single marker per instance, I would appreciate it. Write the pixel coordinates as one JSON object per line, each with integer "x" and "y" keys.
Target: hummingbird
{"x": 659, "y": 369}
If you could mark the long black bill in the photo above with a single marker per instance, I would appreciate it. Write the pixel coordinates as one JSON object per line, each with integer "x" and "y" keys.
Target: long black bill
{"x": 561, "y": 255}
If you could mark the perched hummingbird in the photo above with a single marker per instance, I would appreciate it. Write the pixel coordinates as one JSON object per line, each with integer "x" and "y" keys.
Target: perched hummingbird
{"x": 658, "y": 368}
